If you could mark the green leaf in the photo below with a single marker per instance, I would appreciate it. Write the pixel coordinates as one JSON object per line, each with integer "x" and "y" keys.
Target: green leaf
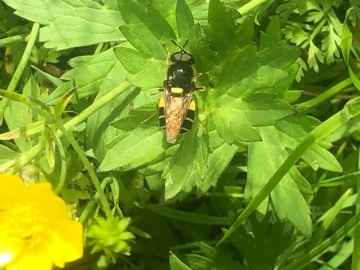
{"x": 219, "y": 259}
{"x": 198, "y": 163}
{"x": 296, "y": 34}
{"x": 176, "y": 263}
{"x": 346, "y": 41}
{"x": 184, "y": 20}
{"x": 257, "y": 238}
{"x": 188, "y": 216}
{"x": 330, "y": 45}
{"x": 187, "y": 167}
{"x": 18, "y": 115}
{"x": 221, "y": 25}
{"x": 70, "y": 23}
{"x": 235, "y": 121}
{"x": 77, "y": 187}
{"x": 244, "y": 74}
{"x": 6, "y": 154}
{"x": 49, "y": 147}
{"x": 286, "y": 197}
{"x": 91, "y": 74}
{"x": 272, "y": 36}
{"x": 270, "y": 153}
{"x": 219, "y": 157}
{"x": 143, "y": 20}
{"x": 136, "y": 143}
{"x": 99, "y": 130}
{"x": 315, "y": 55}
{"x": 147, "y": 72}
{"x": 355, "y": 10}
{"x": 296, "y": 127}
{"x": 196, "y": 261}
{"x": 133, "y": 149}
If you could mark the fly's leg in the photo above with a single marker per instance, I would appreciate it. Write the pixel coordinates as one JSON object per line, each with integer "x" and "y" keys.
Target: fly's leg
{"x": 167, "y": 53}
{"x": 147, "y": 119}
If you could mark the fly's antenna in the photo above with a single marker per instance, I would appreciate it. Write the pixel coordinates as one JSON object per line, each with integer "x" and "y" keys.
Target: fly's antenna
{"x": 177, "y": 45}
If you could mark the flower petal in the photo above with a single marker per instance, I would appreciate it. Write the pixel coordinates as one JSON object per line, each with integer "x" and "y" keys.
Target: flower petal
{"x": 67, "y": 241}
{"x": 31, "y": 260}
{"x": 12, "y": 189}
{"x": 50, "y": 205}
{"x": 35, "y": 227}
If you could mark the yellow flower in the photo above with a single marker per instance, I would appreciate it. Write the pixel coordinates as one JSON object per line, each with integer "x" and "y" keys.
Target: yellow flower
{"x": 35, "y": 229}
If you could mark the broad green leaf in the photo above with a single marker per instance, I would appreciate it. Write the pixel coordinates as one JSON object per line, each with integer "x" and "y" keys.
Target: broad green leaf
{"x": 71, "y": 23}
{"x": 147, "y": 72}
{"x": 221, "y": 26}
{"x": 145, "y": 28}
{"x": 99, "y": 130}
{"x": 270, "y": 153}
{"x": 184, "y": 20}
{"x": 286, "y": 197}
{"x": 245, "y": 74}
{"x": 133, "y": 149}
{"x": 200, "y": 13}
{"x": 219, "y": 158}
{"x": 136, "y": 144}
{"x": 198, "y": 163}
{"x": 226, "y": 41}
{"x": 91, "y": 75}
{"x": 187, "y": 167}
{"x": 272, "y": 36}
{"x": 147, "y": 65}
{"x": 296, "y": 127}
{"x": 235, "y": 121}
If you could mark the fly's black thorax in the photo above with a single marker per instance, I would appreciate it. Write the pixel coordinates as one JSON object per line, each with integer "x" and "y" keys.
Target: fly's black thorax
{"x": 180, "y": 75}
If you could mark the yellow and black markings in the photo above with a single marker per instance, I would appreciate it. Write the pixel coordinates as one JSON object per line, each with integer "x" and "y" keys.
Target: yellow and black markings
{"x": 177, "y": 108}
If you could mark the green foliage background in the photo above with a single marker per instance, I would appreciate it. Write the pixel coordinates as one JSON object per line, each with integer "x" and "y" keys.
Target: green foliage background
{"x": 267, "y": 177}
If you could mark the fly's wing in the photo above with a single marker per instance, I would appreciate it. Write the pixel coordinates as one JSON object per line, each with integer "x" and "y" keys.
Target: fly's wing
{"x": 176, "y": 108}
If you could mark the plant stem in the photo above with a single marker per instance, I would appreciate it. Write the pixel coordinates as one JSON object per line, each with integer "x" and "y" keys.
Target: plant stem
{"x": 20, "y": 69}
{"x": 355, "y": 264}
{"x": 82, "y": 116}
{"x": 250, "y": 6}
{"x": 90, "y": 169}
{"x": 93, "y": 200}
{"x": 324, "y": 96}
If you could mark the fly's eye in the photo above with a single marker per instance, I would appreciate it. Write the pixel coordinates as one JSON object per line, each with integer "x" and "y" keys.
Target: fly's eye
{"x": 182, "y": 56}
